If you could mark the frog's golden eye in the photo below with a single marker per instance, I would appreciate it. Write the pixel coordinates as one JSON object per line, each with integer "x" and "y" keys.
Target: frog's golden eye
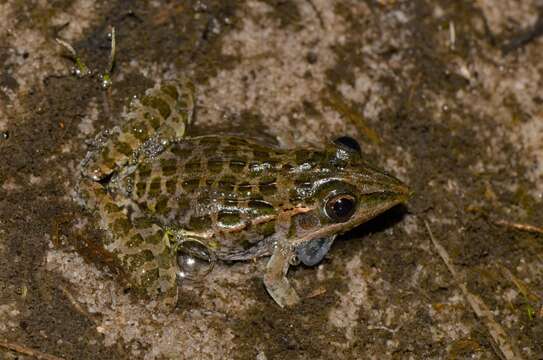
{"x": 340, "y": 208}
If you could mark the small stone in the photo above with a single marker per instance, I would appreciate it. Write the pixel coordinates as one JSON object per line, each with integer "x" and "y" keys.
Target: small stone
{"x": 311, "y": 57}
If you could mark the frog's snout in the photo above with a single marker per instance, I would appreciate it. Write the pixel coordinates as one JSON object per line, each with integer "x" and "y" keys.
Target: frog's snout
{"x": 386, "y": 183}
{"x": 403, "y": 191}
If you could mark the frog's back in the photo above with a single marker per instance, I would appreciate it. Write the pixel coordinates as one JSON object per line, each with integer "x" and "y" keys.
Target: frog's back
{"x": 225, "y": 189}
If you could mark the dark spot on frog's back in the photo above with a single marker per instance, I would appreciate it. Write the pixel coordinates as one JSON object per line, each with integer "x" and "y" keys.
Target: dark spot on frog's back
{"x": 171, "y": 185}
{"x": 161, "y": 206}
{"x": 140, "y": 189}
{"x": 229, "y": 218}
{"x": 209, "y": 142}
{"x": 193, "y": 166}
{"x": 260, "y": 207}
{"x": 268, "y": 188}
{"x": 191, "y": 185}
{"x": 154, "y": 188}
{"x": 199, "y": 223}
{"x": 181, "y": 151}
{"x": 227, "y": 183}
{"x": 226, "y": 187}
{"x": 144, "y": 170}
{"x": 244, "y": 186}
{"x": 215, "y": 166}
{"x": 229, "y": 151}
{"x": 168, "y": 166}
{"x": 237, "y": 165}
{"x": 237, "y": 142}
{"x": 261, "y": 155}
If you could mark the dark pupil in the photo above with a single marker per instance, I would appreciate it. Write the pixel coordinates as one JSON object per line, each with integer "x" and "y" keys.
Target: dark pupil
{"x": 348, "y": 142}
{"x": 342, "y": 207}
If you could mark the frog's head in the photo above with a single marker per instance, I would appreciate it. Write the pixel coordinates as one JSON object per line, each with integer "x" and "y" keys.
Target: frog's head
{"x": 345, "y": 192}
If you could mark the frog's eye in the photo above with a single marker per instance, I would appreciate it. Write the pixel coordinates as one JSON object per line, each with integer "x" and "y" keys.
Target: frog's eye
{"x": 340, "y": 208}
{"x": 349, "y": 143}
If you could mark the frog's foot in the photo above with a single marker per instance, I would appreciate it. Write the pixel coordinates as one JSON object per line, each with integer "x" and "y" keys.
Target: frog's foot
{"x": 275, "y": 278}
{"x": 162, "y": 114}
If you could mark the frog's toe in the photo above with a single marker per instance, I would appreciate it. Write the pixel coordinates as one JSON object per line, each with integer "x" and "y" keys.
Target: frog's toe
{"x": 281, "y": 291}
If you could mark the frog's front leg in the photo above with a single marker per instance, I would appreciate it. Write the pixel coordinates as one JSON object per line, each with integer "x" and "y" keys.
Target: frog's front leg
{"x": 275, "y": 278}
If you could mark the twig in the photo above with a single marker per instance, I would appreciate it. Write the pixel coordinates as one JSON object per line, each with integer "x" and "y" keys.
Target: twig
{"x": 507, "y": 349}
{"x": 106, "y": 76}
{"x": 528, "y": 293}
{"x": 28, "y": 351}
{"x": 317, "y": 292}
{"x": 81, "y": 70}
{"x": 75, "y": 303}
{"x": 523, "y": 227}
{"x": 452, "y": 35}
{"x": 338, "y": 104}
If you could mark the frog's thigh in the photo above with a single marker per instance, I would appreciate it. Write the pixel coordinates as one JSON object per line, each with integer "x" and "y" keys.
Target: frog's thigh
{"x": 139, "y": 245}
{"x": 275, "y": 278}
{"x": 164, "y": 112}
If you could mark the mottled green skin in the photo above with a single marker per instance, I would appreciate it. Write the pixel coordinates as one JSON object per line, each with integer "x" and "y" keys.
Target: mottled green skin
{"x": 154, "y": 188}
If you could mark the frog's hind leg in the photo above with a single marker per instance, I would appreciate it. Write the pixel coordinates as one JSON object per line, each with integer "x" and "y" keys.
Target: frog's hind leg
{"x": 163, "y": 113}
{"x": 141, "y": 246}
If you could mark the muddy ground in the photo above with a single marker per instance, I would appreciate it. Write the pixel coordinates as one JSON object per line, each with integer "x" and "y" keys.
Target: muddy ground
{"x": 446, "y": 95}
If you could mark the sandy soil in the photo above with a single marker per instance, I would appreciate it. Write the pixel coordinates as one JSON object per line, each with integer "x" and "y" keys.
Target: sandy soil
{"x": 424, "y": 85}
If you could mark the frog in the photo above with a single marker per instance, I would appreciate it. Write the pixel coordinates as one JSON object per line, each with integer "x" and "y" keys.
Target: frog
{"x": 157, "y": 190}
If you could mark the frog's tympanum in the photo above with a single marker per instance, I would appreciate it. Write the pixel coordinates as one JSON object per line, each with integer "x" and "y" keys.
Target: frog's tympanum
{"x": 159, "y": 191}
